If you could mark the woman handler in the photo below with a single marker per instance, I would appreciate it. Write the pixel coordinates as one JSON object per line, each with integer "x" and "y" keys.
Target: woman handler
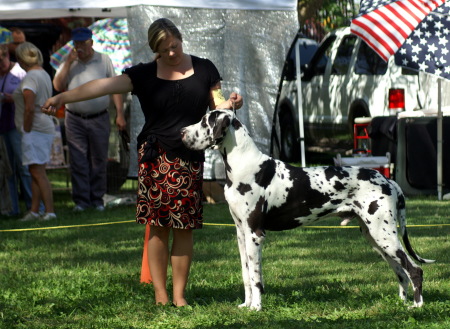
{"x": 174, "y": 90}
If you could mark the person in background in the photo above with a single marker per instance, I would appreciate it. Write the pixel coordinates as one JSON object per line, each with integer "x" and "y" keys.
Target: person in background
{"x": 87, "y": 124}
{"x": 10, "y": 76}
{"x": 174, "y": 90}
{"x": 38, "y": 129}
{"x": 19, "y": 37}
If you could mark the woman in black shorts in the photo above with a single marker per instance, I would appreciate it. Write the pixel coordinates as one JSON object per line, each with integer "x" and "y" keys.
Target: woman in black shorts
{"x": 175, "y": 90}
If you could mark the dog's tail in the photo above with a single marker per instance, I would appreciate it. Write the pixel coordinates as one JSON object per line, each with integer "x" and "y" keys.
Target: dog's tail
{"x": 411, "y": 250}
{"x": 401, "y": 218}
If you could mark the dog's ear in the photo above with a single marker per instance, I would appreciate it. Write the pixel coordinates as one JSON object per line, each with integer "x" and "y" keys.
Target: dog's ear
{"x": 220, "y": 126}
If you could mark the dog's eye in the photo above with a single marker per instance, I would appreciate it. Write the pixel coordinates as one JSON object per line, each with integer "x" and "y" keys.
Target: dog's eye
{"x": 203, "y": 123}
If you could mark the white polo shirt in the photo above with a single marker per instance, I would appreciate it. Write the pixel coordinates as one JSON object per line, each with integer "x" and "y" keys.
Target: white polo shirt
{"x": 99, "y": 66}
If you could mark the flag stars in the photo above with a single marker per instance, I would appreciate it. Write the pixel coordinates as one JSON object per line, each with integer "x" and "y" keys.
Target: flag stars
{"x": 415, "y": 48}
{"x": 427, "y": 48}
{"x": 418, "y": 33}
{"x": 423, "y": 66}
{"x": 432, "y": 48}
{"x": 443, "y": 41}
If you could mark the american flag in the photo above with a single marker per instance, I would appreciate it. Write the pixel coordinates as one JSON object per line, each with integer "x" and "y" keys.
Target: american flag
{"x": 428, "y": 49}
{"x": 385, "y": 24}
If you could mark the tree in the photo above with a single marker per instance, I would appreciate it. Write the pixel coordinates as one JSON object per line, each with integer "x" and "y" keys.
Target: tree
{"x": 317, "y": 17}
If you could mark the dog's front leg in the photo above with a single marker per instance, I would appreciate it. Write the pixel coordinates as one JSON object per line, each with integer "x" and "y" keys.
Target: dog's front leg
{"x": 244, "y": 260}
{"x": 253, "y": 247}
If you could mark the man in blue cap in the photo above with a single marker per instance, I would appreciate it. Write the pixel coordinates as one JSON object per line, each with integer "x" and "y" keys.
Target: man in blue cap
{"x": 87, "y": 123}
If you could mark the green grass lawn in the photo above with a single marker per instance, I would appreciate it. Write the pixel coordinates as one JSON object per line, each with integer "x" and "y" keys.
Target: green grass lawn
{"x": 74, "y": 273}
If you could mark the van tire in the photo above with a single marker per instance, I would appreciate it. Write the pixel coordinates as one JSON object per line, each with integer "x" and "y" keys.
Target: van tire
{"x": 290, "y": 146}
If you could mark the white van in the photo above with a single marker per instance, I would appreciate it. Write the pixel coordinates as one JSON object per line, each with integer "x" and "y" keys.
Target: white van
{"x": 346, "y": 79}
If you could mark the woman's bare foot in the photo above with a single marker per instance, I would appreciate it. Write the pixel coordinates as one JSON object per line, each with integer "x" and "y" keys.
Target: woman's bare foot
{"x": 180, "y": 303}
{"x": 161, "y": 298}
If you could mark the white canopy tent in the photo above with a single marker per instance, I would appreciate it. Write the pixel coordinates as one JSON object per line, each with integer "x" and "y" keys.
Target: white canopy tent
{"x": 32, "y": 9}
{"x": 246, "y": 39}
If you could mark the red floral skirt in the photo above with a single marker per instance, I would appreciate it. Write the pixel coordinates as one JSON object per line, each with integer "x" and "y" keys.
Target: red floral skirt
{"x": 170, "y": 192}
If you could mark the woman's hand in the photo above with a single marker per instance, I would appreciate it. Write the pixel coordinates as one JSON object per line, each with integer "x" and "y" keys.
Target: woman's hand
{"x": 236, "y": 101}
{"x": 52, "y": 105}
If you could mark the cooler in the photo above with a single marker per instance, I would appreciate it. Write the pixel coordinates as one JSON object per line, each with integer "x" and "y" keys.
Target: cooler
{"x": 379, "y": 163}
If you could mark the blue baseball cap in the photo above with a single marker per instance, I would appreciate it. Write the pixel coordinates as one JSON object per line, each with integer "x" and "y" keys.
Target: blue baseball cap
{"x": 81, "y": 34}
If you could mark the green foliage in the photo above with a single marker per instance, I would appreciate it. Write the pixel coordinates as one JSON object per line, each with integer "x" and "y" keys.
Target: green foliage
{"x": 317, "y": 17}
{"x": 336, "y": 14}
{"x": 88, "y": 276}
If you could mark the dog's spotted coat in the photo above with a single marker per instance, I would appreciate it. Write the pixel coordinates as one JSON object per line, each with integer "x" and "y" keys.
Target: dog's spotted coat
{"x": 267, "y": 194}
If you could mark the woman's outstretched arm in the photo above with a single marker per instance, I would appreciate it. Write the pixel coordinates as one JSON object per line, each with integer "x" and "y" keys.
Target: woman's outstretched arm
{"x": 107, "y": 86}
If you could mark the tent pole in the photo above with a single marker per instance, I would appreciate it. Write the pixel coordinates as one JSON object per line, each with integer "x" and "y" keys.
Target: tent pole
{"x": 439, "y": 142}
{"x": 300, "y": 103}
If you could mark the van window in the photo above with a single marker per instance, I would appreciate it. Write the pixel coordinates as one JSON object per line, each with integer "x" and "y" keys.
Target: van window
{"x": 368, "y": 62}
{"x": 320, "y": 59}
{"x": 307, "y": 49}
{"x": 343, "y": 55}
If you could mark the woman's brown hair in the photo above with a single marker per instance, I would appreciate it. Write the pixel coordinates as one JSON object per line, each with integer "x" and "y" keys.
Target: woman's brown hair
{"x": 159, "y": 30}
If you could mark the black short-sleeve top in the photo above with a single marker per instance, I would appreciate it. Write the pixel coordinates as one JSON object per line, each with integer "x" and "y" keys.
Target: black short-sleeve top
{"x": 169, "y": 105}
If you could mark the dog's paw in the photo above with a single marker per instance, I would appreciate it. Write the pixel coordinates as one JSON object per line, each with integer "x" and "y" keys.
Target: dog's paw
{"x": 256, "y": 307}
{"x": 251, "y": 307}
{"x": 420, "y": 304}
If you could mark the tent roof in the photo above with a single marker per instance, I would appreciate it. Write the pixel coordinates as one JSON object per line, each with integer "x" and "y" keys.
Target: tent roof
{"x": 30, "y": 9}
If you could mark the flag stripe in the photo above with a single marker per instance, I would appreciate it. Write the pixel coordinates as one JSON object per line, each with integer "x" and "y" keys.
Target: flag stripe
{"x": 383, "y": 41}
{"x": 372, "y": 39}
{"x": 386, "y": 28}
{"x": 407, "y": 13}
{"x": 371, "y": 43}
{"x": 398, "y": 26}
{"x": 419, "y": 5}
{"x": 397, "y": 33}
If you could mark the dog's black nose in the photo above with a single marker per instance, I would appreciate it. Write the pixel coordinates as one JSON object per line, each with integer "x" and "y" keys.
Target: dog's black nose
{"x": 182, "y": 132}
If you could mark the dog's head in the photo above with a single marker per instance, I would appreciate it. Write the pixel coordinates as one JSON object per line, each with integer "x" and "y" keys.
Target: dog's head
{"x": 210, "y": 131}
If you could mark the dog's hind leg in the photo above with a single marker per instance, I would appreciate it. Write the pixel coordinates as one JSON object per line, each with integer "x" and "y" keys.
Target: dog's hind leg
{"x": 389, "y": 247}
{"x": 407, "y": 271}
{"x": 402, "y": 276}
{"x": 414, "y": 272}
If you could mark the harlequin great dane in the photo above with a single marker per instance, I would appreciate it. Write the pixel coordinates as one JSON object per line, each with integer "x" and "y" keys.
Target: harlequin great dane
{"x": 267, "y": 194}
